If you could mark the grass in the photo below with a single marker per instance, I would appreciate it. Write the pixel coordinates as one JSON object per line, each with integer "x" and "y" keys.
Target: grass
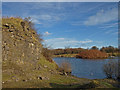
{"x": 65, "y": 55}
{"x": 21, "y": 68}
{"x": 55, "y": 80}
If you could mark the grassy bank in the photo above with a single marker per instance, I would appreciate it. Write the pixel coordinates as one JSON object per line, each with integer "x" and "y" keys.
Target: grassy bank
{"x": 65, "y": 55}
{"x": 58, "y": 81}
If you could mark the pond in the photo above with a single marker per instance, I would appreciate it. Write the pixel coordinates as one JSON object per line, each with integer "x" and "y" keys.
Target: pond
{"x": 85, "y": 68}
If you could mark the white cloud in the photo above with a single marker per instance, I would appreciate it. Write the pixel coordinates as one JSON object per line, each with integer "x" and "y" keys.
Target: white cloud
{"x": 109, "y": 31}
{"x": 45, "y": 20}
{"x": 77, "y": 23}
{"x": 47, "y": 33}
{"x": 87, "y": 41}
{"x": 62, "y": 42}
{"x": 115, "y": 33}
{"x": 46, "y": 17}
{"x": 36, "y": 21}
{"x": 102, "y": 17}
{"x": 112, "y": 25}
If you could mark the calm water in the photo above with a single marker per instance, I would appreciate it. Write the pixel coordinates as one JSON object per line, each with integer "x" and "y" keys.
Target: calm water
{"x": 84, "y": 68}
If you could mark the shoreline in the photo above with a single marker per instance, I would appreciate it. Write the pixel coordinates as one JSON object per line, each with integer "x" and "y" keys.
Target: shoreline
{"x": 74, "y": 55}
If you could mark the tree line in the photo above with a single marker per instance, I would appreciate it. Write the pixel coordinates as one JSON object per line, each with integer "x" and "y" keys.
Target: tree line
{"x": 109, "y": 49}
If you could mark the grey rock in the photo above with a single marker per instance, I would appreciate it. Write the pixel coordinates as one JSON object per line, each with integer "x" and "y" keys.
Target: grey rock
{"x": 39, "y": 77}
{"x": 45, "y": 66}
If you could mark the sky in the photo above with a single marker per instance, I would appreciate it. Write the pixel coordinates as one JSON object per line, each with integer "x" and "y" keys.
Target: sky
{"x": 70, "y": 24}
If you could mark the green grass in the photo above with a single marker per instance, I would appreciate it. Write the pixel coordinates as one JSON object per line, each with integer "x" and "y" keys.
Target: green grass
{"x": 55, "y": 80}
{"x": 21, "y": 71}
{"x": 65, "y": 55}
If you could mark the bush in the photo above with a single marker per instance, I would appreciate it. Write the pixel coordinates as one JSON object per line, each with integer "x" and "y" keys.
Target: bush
{"x": 111, "y": 69}
{"x": 47, "y": 54}
{"x": 92, "y": 54}
{"x": 65, "y": 68}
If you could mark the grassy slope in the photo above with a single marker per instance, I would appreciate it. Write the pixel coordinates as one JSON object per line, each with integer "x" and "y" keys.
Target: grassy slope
{"x": 23, "y": 72}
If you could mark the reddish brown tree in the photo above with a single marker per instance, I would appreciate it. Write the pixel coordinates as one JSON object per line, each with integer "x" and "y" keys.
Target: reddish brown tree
{"x": 92, "y": 54}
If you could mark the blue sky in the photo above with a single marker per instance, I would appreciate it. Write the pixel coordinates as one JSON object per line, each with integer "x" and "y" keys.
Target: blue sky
{"x": 80, "y": 24}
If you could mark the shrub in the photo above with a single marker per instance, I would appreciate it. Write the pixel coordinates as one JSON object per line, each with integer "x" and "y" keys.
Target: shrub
{"x": 91, "y": 54}
{"x": 47, "y": 54}
{"x": 65, "y": 68}
{"x": 111, "y": 70}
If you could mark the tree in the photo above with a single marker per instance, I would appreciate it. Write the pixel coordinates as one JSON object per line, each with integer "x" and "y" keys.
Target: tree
{"x": 94, "y": 47}
{"x": 109, "y": 49}
{"x": 102, "y": 49}
{"x": 111, "y": 69}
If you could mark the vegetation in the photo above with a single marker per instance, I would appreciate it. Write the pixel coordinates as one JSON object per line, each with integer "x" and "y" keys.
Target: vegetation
{"x": 109, "y": 49}
{"x": 65, "y": 55}
{"x": 67, "y": 51}
{"x": 24, "y": 57}
{"x": 65, "y": 68}
{"x": 27, "y": 64}
{"x": 72, "y": 52}
{"x": 47, "y": 54}
{"x": 94, "y": 47}
{"x": 92, "y": 54}
{"x": 112, "y": 69}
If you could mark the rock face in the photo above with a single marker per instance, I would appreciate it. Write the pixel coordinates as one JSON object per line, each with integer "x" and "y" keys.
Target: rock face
{"x": 19, "y": 43}
{"x": 22, "y": 49}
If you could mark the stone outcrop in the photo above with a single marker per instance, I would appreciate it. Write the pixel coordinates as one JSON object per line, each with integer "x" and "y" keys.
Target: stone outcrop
{"x": 19, "y": 44}
{"x": 22, "y": 50}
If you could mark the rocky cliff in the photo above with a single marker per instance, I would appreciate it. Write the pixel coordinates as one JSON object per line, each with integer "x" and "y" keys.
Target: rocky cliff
{"x": 22, "y": 52}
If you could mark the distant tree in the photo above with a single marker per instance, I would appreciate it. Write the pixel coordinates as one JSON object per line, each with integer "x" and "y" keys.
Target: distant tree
{"x": 109, "y": 49}
{"x": 102, "y": 49}
{"x": 94, "y": 47}
{"x": 92, "y": 54}
{"x": 66, "y": 47}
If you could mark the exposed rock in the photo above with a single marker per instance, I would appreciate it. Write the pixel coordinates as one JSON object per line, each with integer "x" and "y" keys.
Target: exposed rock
{"x": 17, "y": 80}
{"x": 45, "y": 66}
{"x": 24, "y": 80}
{"x": 30, "y": 78}
{"x": 42, "y": 78}
{"x": 39, "y": 77}
{"x": 6, "y": 25}
{"x": 10, "y": 30}
{"x": 22, "y": 51}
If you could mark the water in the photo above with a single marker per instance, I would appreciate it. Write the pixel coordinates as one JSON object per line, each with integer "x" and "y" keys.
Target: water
{"x": 85, "y": 68}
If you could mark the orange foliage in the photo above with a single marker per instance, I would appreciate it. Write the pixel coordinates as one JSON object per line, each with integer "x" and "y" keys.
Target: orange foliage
{"x": 92, "y": 54}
